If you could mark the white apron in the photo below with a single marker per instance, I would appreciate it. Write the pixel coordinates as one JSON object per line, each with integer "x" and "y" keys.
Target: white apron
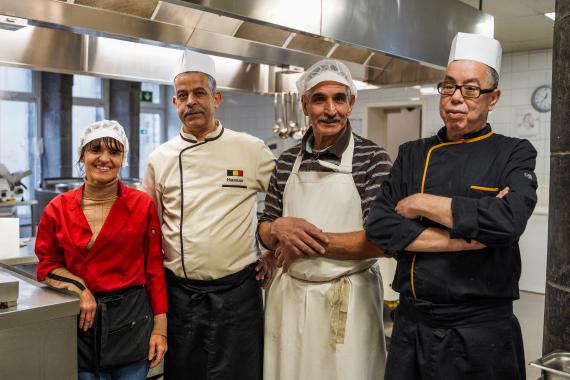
{"x": 323, "y": 319}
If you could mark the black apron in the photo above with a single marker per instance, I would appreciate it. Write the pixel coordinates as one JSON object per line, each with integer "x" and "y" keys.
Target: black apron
{"x": 120, "y": 334}
{"x": 215, "y": 328}
{"x": 472, "y": 341}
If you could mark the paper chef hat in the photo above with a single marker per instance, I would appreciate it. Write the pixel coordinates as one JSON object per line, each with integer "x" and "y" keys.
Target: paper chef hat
{"x": 192, "y": 61}
{"x": 326, "y": 70}
{"x": 475, "y": 47}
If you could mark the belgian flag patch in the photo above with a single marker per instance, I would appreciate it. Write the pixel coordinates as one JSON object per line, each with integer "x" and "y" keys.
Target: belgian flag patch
{"x": 235, "y": 173}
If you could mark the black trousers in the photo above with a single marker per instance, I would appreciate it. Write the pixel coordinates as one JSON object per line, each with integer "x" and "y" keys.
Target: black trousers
{"x": 215, "y": 328}
{"x": 447, "y": 342}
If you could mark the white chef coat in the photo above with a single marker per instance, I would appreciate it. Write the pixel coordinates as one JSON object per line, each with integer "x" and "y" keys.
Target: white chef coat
{"x": 206, "y": 195}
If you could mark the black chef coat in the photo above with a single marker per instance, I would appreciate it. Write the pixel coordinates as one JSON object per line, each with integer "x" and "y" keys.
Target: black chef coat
{"x": 471, "y": 172}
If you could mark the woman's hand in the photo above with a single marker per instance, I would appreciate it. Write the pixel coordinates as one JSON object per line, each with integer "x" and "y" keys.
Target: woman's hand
{"x": 266, "y": 268}
{"x": 87, "y": 310}
{"x": 156, "y": 350}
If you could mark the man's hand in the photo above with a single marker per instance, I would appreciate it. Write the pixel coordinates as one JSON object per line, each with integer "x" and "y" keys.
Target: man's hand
{"x": 297, "y": 237}
{"x": 266, "y": 268}
{"x": 285, "y": 258}
{"x": 87, "y": 310}
{"x": 409, "y": 207}
{"x": 457, "y": 245}
{"x": 156, "y": 349}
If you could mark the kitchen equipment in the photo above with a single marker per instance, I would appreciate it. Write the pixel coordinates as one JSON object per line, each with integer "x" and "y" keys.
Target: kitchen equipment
{"x": 11, "y": 187}
{"x": 289, "y": 118}
{"x": 9, "y": 290}
{"x": 554, "y": 366}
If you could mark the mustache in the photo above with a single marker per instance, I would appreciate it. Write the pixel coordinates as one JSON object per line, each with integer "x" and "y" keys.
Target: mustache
{"x": 326, "y": 119}
{"x": 192, "y": 110}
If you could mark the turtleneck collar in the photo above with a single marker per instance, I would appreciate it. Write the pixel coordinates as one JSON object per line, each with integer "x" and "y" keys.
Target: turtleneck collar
{"x": 98, "y": 191}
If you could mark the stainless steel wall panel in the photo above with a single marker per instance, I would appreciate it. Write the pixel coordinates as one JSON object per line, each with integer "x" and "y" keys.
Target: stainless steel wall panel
{"x": 44, "y": 49}
{"x": 87, "y": 20}
{"x": 299, "y": 15}
{"x": 419, "y": 30}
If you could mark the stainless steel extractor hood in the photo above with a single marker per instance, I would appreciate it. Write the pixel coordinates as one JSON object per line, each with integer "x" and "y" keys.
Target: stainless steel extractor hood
{"x": 384, "y": 42}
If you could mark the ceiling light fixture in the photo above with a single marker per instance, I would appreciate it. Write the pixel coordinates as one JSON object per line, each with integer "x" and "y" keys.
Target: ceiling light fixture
{"x": 550, "y": 15}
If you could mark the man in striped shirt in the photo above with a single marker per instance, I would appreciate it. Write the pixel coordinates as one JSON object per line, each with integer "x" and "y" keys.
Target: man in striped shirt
{"x": 324, "y": 308}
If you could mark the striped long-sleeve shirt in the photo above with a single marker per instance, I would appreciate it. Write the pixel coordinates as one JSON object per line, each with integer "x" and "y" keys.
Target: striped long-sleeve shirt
{"x": 370, "y": 167}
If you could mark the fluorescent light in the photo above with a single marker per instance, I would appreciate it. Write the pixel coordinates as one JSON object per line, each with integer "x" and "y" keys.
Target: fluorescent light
{"x": 415, "y": 99}
{"x": 550, "y": 15}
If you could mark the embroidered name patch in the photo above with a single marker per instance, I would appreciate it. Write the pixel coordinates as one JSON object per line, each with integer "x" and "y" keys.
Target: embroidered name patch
{"x": 234, "y": 176}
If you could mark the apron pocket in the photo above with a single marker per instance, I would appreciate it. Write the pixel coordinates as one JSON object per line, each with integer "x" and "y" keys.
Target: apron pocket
{"x": 126, "y": 329}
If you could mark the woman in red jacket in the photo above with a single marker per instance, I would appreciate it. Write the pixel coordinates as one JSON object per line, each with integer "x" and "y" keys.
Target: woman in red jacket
{"x": 103, "y": 242}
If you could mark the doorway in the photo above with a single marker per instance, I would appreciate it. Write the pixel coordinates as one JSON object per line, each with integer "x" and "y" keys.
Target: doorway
{"x": 390, "y": 125}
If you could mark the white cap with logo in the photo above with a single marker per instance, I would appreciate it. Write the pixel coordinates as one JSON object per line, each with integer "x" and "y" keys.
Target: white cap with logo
{"x": 324, "y": 71}
{"x": 475, "y": 47}
{"x": 192, "y": 61}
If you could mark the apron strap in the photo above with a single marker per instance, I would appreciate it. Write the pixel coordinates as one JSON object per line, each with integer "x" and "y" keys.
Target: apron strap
{"x": 338, "y": 296}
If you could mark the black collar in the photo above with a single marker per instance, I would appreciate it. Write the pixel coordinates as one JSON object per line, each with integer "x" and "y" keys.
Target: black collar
{"x": 442, "y": 133}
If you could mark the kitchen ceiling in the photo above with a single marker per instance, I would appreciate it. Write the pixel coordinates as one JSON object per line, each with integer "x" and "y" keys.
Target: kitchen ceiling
{"x": 384, "y": 43}
{"x": 520, "y": 25}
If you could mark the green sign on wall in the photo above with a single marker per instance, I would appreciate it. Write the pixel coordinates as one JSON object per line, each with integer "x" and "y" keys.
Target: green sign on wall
{"x": 146, "y": 96}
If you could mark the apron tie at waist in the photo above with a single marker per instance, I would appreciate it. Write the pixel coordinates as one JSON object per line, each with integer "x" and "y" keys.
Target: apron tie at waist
{"x": 209, "y": 289}
{"x": 338, "y": 296}
{"x": 210, "y": 286}
{"x": 455, "y": 315}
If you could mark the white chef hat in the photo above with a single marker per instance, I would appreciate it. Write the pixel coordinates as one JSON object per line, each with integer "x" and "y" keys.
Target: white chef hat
{"x": 326, "y": 70}
{"x": 475, "y": 47}
{"x": 105, "y": 128}
{"x": 191, "y": 61}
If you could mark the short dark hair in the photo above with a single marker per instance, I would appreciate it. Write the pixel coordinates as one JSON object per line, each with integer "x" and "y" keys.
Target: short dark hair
{"x": 211, "y": 81}
{"x": 492, "y": 77}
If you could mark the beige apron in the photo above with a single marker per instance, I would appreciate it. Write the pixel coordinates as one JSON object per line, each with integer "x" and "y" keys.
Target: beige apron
{"x": 323, "y": 318}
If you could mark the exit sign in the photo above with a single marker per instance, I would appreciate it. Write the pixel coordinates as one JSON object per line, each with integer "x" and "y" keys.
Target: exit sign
{"x": 146, "y": 96}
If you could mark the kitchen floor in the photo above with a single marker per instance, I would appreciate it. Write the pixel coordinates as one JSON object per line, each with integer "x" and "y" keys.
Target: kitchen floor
{"x": 530, "y": 312}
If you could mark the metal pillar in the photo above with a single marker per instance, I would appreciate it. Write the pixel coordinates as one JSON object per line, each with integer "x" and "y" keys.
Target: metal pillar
{"x": 125, "y": 108}
{"x": 56, "y": 100}
{"x": 557, "y": 304}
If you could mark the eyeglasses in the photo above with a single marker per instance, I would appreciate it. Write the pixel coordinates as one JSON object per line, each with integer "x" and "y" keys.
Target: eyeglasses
{"x": 467, "y": 90}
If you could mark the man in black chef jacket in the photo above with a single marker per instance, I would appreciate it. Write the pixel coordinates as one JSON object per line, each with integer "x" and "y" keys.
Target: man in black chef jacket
{"x": 451, "y": 213}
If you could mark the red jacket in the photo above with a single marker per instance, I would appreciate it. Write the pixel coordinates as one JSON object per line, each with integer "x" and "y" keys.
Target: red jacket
{"x": 127, "y": 251}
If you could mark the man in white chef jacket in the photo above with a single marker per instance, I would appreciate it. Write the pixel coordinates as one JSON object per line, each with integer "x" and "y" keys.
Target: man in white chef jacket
{"x": 324, "y": 308}
{"x": 205, "y": 183}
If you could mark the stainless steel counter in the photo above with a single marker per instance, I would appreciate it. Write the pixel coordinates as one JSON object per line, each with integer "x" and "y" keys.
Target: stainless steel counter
{"x": 36, "y": 303}
{"x": 38, "y": 336}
